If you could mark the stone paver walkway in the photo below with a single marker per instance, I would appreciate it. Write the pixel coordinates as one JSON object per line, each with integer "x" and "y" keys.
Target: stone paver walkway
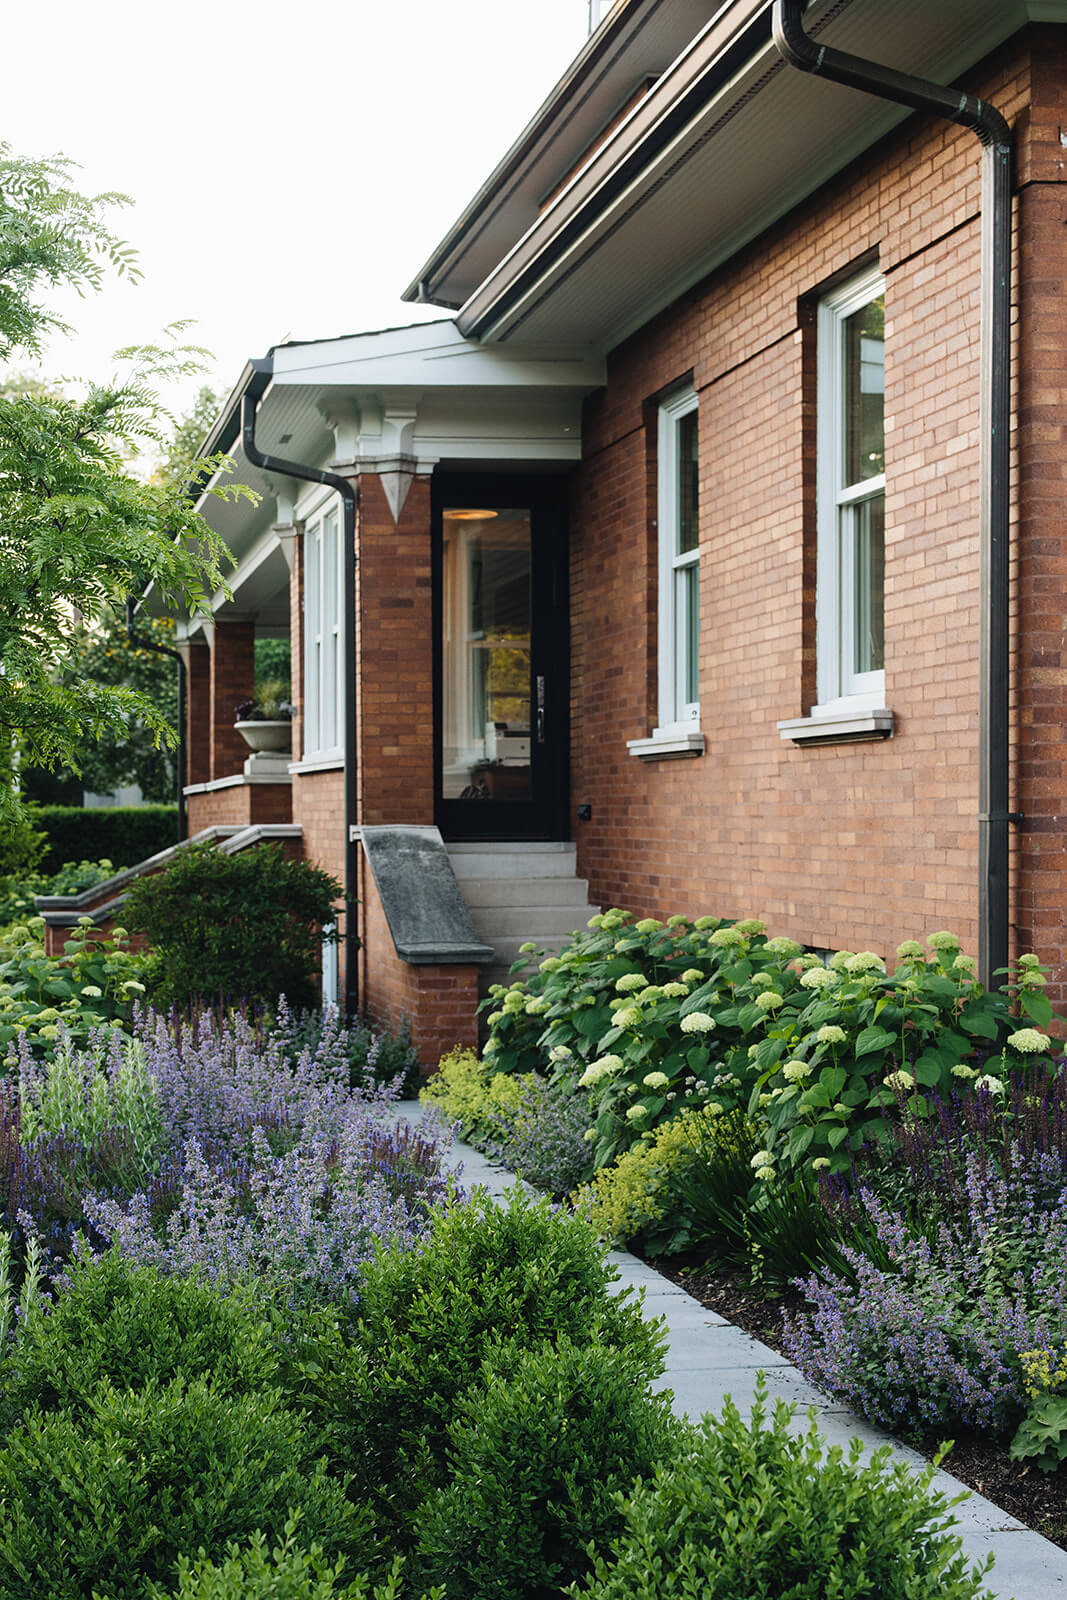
{"x": 709, "y": 1358}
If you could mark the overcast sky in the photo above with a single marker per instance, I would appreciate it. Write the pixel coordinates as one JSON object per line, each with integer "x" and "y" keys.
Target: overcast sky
{"x": 291, "y": 165}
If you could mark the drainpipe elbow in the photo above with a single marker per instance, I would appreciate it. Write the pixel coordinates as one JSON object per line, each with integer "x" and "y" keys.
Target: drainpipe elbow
{"x": 792, "y": 43}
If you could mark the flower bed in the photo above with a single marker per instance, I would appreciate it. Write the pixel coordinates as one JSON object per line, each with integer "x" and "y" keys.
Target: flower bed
{"x": 256, "y": 1344}
{"x": 892, "y": 1144}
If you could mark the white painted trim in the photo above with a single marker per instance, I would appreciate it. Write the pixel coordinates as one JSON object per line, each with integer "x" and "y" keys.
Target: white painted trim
{"x": 324, "y": 633}
{"x": 837, "y": 685}
{"x": 672, "y": 713}
{"x": 845, "y": 725}
{"x": 667, "y": 745}
{"x": 240, "y": 780}
{"x": 301, "y": 769}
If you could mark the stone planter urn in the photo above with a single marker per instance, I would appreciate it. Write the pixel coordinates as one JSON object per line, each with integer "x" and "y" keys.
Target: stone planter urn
{"x": 258, "y": 736}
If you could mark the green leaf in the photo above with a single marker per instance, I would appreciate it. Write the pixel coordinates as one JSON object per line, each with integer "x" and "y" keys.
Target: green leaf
{"x": 817, "y": 1096}
{"x": 928, "y": 1072}
{"x": 837, "y": 1135}
{"x": 872, "y": 1039}
{"x": 833, "y": 1080}
{"x": 1037, "y": 1006}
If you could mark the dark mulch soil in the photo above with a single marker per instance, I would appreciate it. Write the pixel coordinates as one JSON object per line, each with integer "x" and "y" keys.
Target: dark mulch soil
{"x": 1039, "y": 1499}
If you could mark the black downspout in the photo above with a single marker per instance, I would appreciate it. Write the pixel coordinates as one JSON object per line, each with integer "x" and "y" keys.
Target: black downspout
{"x": 263, "y": 371}
{"x": 968, "y": 111}
{"x": 142, "y": 643}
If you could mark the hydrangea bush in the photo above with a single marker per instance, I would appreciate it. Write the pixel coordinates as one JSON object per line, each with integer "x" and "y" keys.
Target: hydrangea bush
{"x": 653, "y": 1018}
{"x": 95, "y": 984}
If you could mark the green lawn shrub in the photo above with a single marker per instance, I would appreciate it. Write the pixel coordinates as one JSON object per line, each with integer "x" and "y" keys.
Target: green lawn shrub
{"x": 490, "y": 1277}
{"x": 287, "y": 1572}
{"x": 233, "y": 927}
{"x": 124, "y": 835}
{"x": 107, "y": 1498}
{"x": 537, "y": 1451}
{"x": 131, "y": 1327}
{"x": 751, "y": 1513}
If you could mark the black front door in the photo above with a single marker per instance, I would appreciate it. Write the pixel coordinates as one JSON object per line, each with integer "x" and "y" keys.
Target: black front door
{"x": 501, "y": 651}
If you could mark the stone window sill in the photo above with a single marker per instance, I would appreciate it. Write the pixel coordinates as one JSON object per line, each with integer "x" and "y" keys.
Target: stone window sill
{"x": 668, "y": 746}
{"x": 842, "y": 727}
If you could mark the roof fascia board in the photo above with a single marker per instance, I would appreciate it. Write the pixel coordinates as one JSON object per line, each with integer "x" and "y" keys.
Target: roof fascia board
{"x": 642, "y": 147}
{"x": 720, "y": 61}
{"x": 610, "y": 40}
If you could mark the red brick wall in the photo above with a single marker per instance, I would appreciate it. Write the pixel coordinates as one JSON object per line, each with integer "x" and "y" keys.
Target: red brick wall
{"x": 240, "y": 805}
{"x": 231, "y": 681}
{"x": 855, "y": 845}
{"x": 1039, "y": 896}
{"x": 319, "y": 807}
{"x": 198, "y": 714}
{"x": 395, "y": 656}
{"x": 438, "y": 1001}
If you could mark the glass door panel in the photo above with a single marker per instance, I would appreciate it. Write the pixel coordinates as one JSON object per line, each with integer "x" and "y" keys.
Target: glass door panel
{"x": 486, "y": 600}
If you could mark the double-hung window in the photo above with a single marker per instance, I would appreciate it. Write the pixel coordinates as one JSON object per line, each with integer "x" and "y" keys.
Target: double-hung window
{"x": 679, "y": 563}
{"x": 323, "y": 635}
{"x": 851, "y": 497}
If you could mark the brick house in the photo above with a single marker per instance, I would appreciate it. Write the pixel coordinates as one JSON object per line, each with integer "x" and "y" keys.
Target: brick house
{"x": 678, "y": 557}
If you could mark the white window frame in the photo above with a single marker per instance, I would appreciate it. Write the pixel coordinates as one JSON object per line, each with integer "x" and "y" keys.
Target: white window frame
{"x": 840, "y": 688}
{"x": 677, "y": 714}
{"x": 324, "y": 638}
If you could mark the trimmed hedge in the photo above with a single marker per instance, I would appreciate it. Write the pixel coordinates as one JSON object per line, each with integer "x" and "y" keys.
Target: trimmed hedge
{"x": 123, "y": 835}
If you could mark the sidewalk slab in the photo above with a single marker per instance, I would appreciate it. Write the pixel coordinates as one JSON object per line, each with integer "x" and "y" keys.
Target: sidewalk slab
{"x": 708, "y": 1358}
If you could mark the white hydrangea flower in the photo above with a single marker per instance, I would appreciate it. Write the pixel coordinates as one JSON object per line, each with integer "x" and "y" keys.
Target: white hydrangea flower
{"x": 592, "y": 1074}
{"x": 820, "y": 1163}
{"x": 692, "y": 975}
{"x": 1029, "y": 1041}
{"x": 965, "y": 964}
{"x": 627, "y": 1017}
{"x": 537, "y": 1006}
{"x": 839, "y": 960}
{"x": 697, "y": 1022}
{"x": 611, "y": 1063}
{"x": 648, "y": 925}
{"x": 990, "y": 1084}
{"x": 796, "y": 1071}
{"x": 765, "y": 1173}
{"x": 750, "y": 926}
{"x": 910, "y": 950}
{"x": 830, "y": 1033}
{"x": 675, "y": 991}
{"x": 819, "y": 978}
{"x": 943, "y": 941}
{"x": 864, "y": 961}
{"x": 770, "y": 1000}
{"x": 727, "y": 938}
{"x": 899, "y": 1080}
{"x": 785, "y": 949}
{"x": 636, "y": 1113}
{"x": 655, "y": 1080}
{"x": 962, "y": 1070}
{"x": 762, "y": 1158}
{"x": 630, "y": 981}
{"x": 559, "y": 1052}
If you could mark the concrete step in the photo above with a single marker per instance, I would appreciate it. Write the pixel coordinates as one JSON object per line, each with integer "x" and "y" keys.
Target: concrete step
{"x": 528, "y": 922}
{"x": 511, "y": 862}
{"x": 486, "y": 892}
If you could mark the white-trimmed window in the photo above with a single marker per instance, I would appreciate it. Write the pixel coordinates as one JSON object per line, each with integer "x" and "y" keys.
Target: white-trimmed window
{"x": 323, "y": 634}
{"x": 679, "y": 564}
{"x": 851, "y": 497}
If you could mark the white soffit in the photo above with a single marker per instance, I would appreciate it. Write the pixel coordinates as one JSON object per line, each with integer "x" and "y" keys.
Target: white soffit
{"x": 621, "y": 242}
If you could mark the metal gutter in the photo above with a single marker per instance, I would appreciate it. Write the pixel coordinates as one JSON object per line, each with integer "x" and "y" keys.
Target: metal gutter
{"x": 615, "y": 33}
{"x": 968, "y": 111}
{"x": 253, "y": 392}
{"x": 719, "y": 56}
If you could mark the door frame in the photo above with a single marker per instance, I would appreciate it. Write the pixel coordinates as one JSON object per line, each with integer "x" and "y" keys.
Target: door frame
{"x": 546, "y": 816}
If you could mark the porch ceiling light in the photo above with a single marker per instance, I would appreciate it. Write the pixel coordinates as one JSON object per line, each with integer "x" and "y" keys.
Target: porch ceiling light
{"x": 470, "y": 516}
